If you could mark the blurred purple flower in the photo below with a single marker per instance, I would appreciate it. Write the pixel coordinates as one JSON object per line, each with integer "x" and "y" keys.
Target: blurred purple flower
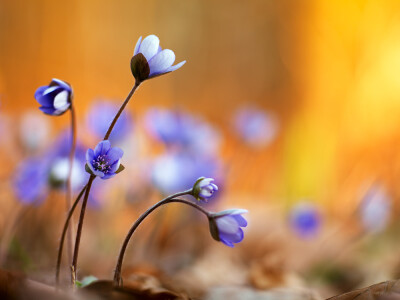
{"x": 100, "y": 116}
{"x": 174, "y": 172}
{"x": 181, "y": 130}
{"x": 159, "y": 61}
{"x": 255, "y": 127}
{"x": 55, "y": 98}
{"x": 104, "y": 161}
{"x": 203, "y": 189}
{"x": 375, "y": 209}
{"x": 30, "y": 180}
{"x": 225, "y": 226}
{"x": 305, "y": 220}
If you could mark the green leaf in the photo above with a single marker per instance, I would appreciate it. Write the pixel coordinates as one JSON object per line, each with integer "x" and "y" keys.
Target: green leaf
{"x": 120, "y": 169}
{"x": 87, "y": 169}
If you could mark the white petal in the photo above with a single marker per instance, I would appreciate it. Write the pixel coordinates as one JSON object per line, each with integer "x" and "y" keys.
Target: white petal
{"x": 61, "y": 100}
{"x": 137, "y": 46}
{"x": 149, "y": 46}
{"x": 176, "y": 67}
{"x": 161, "y": 61}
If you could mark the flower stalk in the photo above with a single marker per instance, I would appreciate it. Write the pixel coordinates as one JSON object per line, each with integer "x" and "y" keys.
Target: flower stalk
{"x": 169, "y": 199}
{"x": 68, "y": 194}
{"x": 63, "y": 234}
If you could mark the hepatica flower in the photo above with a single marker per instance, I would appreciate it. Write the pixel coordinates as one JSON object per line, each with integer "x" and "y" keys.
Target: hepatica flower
{"x": 55, "y": 98}
{"x": 203, "y": 189}
{"x": 305, "y": 220}
{"x": 225, "y": 226}
{"x": 104, "y": 161}
{"x": 149, "y": 60}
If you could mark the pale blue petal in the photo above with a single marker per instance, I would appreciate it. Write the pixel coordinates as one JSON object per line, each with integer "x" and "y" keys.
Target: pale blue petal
{"x": 162, "y": 61}
{"x": 176, "y": 67}
{"x": 102, "y": 148}
{"x": 114, "y": 154}
{"x": 149, "y": 46}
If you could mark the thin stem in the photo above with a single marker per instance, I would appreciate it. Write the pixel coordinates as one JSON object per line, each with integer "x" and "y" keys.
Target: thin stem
{"x": 136, "y": 85}
{"x": 169, "y": 199}
{"x": 69, "y": 180}
{"x": 79, "y": 230}
{"x": 64, "y": 232}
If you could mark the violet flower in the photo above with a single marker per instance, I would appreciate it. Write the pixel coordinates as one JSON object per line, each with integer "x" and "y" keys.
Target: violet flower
{"x": 305, "y": 220}
{"x": 149, "y": 60}
{"x": 225, "y": 226}
{"x": 104, "y": 161}
{"x": 203, "y": 189}
{"x": 55, "y": 98}
{"x": 30, "y": 180}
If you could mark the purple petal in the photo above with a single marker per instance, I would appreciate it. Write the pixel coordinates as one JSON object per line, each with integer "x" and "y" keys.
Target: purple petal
{"x": 214, "y": 186}
{"x": 102, "y": 148}
{"x": 89, "y": 156}
{"x": 48, "y": 110}
{"x": 176, "y": 67}
{"x": 149, "y": 46}
{"x": 162, "y": 61}
{"x": 240, "y": 220}
{"x": 229, "y": 244}
{"x": 107, "y": 176}
{"x": 227, "y": 224}
{"x": 39, "y": 92}
{"x": 115, "y": 166}
{"x": 205, "y": 182}
{"x": 48, "y": 95}
{"x": 136, "y": 51}
{"x": 62, "y": 84}
{"x": 114, "y": 154}
{"x": 234, "y": 237}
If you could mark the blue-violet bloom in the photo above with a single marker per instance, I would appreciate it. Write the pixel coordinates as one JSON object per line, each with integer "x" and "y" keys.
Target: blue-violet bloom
{"x": 225, "y": 226}
{"x": 305, "y": 220}
{"x": 104, "y": 161}
{"x": 159, "y": 61}
{"x": 55, "y": 98}
{"x": 203, "y": 189}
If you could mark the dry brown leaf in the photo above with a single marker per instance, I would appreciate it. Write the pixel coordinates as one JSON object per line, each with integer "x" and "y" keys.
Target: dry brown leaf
{"x": 388, "y": 290}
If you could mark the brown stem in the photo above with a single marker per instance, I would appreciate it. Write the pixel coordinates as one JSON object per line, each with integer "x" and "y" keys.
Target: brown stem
{"x": 136, "y": 85}
{"x": 169, "y": 199}
{"x": 69, "y": 181}
{"x": 64, "y": 232}
{"x": 79, "y": 230}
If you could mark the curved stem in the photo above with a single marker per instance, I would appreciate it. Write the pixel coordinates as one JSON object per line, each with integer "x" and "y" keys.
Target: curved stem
{"x": 136, "y": 85}
{"x": 69, "y": 180}
{"x": 169, "y": 199}
{"x": 79, "y": 230}
{"x": 64, "y": 232}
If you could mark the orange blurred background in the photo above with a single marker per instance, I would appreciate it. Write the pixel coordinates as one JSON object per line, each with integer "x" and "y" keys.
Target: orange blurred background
{"x": 326, "y": 69}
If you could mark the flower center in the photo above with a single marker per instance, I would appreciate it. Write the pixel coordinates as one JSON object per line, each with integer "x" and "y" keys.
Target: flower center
{"x": 101, "y": 164}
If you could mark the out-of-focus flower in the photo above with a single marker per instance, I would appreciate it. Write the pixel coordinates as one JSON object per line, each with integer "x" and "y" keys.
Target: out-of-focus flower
{"x": 30, "y": 180}
{"x": 100, "y": 116}
{"x": 375, "y": 209}
{"x": 177, "y": 129}
{"x": 256, "y": 127}
{"x": 203, "y": 189}
{"x": 149, "y": 60}
{"x": 55, "y": 98}
{"x": 173, "y": 172}
{"x": 59, "y": 170}
{"x": 305, "y": 220}
{"x": 104, "y": 161}
{"x": 34, "y": 130}
{"x": 225, "y": 226}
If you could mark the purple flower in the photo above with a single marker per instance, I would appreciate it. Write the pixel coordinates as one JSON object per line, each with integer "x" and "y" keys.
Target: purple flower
{"x": 100, "y": 116}
{"x": 30, "y": 180}
{"x": 225, "y": 226}
{"x": 203, "y": 189}
{"x": 149, "y": 60}
{"x": 55, "y": 98}
{"x": 305, "y": 220}
{"x": 104, "y": 161}
{"x": 257, "y": 128}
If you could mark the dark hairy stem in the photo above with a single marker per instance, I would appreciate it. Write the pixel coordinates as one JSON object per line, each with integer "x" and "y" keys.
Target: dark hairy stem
{"x": 69, "y": 180}
{"x": 169, "y": 199}
{"x": 79, "y": 230}
{"x": 64, "y": 232}
{"x": 88, "y": 186}
{"x": 136, "y": 85}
